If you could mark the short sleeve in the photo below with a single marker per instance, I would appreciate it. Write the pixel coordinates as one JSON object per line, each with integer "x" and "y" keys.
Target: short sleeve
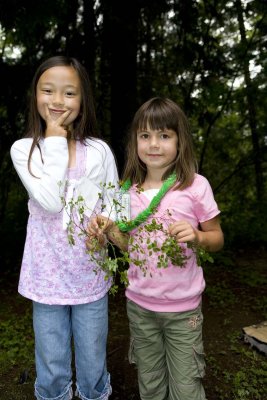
{"x": 206, "y": 207}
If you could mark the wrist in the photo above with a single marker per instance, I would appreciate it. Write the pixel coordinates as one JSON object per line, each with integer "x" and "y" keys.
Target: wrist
{"x": 55, "y": 132}
{"x": 111, "y": 228}
{"x": 199, "y": 240}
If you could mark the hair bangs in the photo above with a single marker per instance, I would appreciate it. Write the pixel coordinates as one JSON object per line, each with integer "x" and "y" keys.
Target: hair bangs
{"x": 158, "y": 116}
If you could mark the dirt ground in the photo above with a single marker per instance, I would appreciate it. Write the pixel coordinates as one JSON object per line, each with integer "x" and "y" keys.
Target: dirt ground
{"x": 235, "y": 297}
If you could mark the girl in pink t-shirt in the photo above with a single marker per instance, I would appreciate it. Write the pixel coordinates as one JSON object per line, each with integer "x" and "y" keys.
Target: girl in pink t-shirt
{"x": 169, "y": 204}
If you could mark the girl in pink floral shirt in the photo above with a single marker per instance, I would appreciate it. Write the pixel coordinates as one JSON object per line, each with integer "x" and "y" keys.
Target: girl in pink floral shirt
{"x": 62, "y": 157}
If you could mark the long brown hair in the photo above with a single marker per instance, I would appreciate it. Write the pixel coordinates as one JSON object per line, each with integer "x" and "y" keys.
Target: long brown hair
{"x": 84, "y": 126}
{"x": 159, "y": 114}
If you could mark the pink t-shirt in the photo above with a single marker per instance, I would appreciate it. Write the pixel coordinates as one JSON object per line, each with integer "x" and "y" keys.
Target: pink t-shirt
{"x": 171, "y": 289}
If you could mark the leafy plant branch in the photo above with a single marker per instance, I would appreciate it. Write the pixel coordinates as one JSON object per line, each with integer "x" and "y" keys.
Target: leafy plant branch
{"x": 151, "y": 239}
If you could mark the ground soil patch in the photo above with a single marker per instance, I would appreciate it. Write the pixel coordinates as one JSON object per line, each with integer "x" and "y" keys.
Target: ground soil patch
{"x": 235, "y": 297}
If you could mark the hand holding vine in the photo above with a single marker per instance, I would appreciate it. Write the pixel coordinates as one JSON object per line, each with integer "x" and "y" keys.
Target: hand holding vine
{"x": 97, "y": 229}
{"x": 184, "y": 232}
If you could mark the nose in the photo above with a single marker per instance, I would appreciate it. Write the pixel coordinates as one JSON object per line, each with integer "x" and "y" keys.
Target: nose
{"x": 154, "y": 141}
{"x": 58, "y": 98}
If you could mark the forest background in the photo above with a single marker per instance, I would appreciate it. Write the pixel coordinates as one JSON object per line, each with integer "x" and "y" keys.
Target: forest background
{"x": 208, "y": 56}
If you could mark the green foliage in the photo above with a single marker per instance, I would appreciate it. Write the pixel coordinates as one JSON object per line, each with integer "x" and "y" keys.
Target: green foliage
{"x": 12, "y": 227}
{"x": 249, "y": 380}
{"x": 237, "y": 292}
{"x": 260, "y": 304}
{"x": 150, "y": 239}
{"x": 220, "y": 295}
{"x": 194, "y": 55}
{"x": 16, "y": 338}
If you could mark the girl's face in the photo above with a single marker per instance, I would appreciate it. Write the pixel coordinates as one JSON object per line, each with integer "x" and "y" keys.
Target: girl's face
{"x": 59, "y": 89}
{"x": 157, "y": 149}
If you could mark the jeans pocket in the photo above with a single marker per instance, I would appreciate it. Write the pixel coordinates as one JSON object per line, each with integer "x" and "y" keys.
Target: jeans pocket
{"x": 199, "y": 357}
{"x": 131, "y": 356}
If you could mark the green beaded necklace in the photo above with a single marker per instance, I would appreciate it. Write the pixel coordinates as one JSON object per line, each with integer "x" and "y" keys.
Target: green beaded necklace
{"x": 126, "y": 226}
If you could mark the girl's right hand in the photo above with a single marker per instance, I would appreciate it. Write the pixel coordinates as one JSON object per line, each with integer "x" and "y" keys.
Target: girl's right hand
{"x": 101, "y": 229}
{"x": 99, "y": 225}
{"x": 97, "y": 229}
{"x": 56, "y": 127}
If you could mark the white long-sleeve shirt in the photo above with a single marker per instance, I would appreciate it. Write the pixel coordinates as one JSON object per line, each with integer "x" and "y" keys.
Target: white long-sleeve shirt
{"x": 53, "y": 271}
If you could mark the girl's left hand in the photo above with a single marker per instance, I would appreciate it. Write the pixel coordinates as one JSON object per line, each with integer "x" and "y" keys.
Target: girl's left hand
{"x": 184, "y": 232}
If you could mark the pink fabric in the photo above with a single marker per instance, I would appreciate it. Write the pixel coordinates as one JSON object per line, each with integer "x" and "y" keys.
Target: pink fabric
{"x": 171, "y": 289}
{"x": 53, "y": 271}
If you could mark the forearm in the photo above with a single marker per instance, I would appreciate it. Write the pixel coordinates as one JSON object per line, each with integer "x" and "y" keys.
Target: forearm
{"x": 46, "y": 181}
{"x": 117, "y": 237}
{"x": 210, "y": 240}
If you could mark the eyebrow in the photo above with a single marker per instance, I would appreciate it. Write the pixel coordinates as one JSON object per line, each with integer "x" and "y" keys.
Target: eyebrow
{"x": 156, "y": 130}
{"x": 52, "y": 84}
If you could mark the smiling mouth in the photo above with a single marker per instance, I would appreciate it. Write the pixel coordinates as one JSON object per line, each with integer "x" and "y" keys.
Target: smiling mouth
{"x": 56, "y": 111}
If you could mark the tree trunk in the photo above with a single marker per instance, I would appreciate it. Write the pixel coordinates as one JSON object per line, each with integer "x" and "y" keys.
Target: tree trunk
{"x": 251, "y": 105}
{"x": 89, "y": 38}
{"x": 123, "y": 50}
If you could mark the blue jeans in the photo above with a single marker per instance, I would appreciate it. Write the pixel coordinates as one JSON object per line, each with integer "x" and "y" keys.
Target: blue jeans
{"x": 54, "y": 327}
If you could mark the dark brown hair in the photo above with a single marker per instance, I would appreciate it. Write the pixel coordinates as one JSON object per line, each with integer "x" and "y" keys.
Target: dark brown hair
{"x": 84, "y": 126}
{"x": 159, "y": 114}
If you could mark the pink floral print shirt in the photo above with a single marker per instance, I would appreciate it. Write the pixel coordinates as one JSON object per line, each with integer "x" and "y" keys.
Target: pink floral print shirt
{"x": 53, "y": 271}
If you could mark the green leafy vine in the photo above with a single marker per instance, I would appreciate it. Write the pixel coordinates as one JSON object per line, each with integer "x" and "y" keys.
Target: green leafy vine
{"x": 149, "y": 239}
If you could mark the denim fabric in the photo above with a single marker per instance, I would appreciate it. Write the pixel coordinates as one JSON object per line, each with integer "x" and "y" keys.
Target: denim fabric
{"x": 54, "y": 328}
{"x": 168, "y": 351}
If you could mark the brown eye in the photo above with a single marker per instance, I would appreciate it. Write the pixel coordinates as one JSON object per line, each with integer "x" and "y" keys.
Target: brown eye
{"x": 164, "y": 136}
{"x": 143, "y": 135}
